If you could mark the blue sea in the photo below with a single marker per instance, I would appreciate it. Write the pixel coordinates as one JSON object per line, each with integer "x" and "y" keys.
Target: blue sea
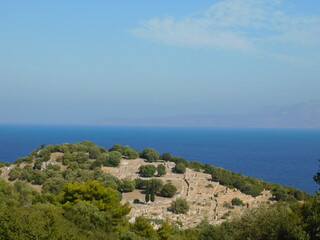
{"x": 283, "y": 156}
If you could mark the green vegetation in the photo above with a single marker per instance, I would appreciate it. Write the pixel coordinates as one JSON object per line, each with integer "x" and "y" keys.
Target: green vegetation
{"x": 126, "y": 151}
{"x": 161, "y": 169}
{"x": 147, "y": 170}
{"x": 150, "y": 154}
{"x": 180, "y": 168}
{"x": 179, "y": 205}
{"x": 237, "y": 202}
{"x": 166, "y": 157}
{"x": 79, "y": 201}
{"x": 168, "y": 190}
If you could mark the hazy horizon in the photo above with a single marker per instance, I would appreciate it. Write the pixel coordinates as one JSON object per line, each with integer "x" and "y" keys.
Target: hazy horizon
{"x": 79, "y": 62}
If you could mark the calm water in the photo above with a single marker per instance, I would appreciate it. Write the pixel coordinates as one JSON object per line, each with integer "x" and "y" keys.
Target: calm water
{"x": 288, "y": 157}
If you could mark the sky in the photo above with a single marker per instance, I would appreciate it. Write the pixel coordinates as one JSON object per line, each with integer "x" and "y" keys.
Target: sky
{"x": 80, "y": 62}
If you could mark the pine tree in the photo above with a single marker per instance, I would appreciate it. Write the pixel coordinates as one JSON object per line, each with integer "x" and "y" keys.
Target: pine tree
{"x": 147, "y": 193}
{"x": 152, "y": 192}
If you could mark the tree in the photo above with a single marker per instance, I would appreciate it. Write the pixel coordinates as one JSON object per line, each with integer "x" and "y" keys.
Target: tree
{"x": 152, "y": 192}
{"x": 147, "y": 170}
{"x": 168, "y": 190}
{"x": 237, "y": 202}
{"x": 166, "y": 157}
{"x": 161, "y": 169}
{"x": 127, "y": 185}
{"x": 114, "y": 159}
{"x": 143, "y": 228}
{"x": 179, "y": 205}
{"x": 103, "y": 159}
{"x": 106, "y": 199}
{"x": 94, "y": 152}
{"x": 14, "y": 173}
{"x": 150, "y": 154}
{"x": 117, "y": 147}
{"x": 131, "y": 153}
{"x": 180, "y": 168}
{"x": 147, "y": 197}
{"x": 165, "y": 231}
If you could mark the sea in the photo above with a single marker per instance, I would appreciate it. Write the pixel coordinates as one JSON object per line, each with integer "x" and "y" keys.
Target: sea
{"x": 285, "y": 156}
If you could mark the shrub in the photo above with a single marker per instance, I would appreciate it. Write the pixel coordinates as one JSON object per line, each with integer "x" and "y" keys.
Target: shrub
{"x": 136, "y": 201}
{"x": 117, "y": 147}
{"x": 179, "y": 205}
{"x": 237, "y": 202}
{"x": 131, "y": 153}
{"x": 168, "y": 190}
{"x": 150, "y": 154}
{"x": 180, "y": 168}
{"x": 143, "y": 228}
{"x": 147, "y": 170}
{"x": 14, "y": 173}
{"x": 161, "y": 169}
{"x": 166, "y": 157}
{"x": 94, "y": 152}
{"x": 114, "y": 159}
{"x": 140, "y": 183}
{"x": 127, "y": 185}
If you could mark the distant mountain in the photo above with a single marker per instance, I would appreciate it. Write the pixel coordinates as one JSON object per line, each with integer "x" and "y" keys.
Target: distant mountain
{"x": 302, "y": 115}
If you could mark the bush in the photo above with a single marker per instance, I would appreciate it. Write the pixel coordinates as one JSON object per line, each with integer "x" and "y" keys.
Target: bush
{"x": 150, "y": 154}
{"x": 114, "y": 159}
{"x": 14, "y": 173}
{"x": 168, "y": 190}
{"x": 161, "y": 169}
{"x": 131, "y": 153}
{"x": 179, "y": 205}
{"x": 147, "y": 170}
{"x": 166, "y": 157}
{"x": 117, "y": 147}
{"x": 127, "y": 185}
{"x": 136, "y": 201}
{"x": 180, "y": 168}
{"x": 237, "y": 202}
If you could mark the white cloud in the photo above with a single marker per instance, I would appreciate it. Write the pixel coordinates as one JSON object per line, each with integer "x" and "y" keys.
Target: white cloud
{"x": 251, "y": 26}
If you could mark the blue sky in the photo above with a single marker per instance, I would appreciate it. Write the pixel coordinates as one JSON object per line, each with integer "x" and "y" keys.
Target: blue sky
{"x": 84, "y": 61}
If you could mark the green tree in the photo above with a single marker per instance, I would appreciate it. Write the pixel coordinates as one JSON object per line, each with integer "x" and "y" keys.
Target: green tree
{"x": 114, "y": 158}
{"x": 180, "y": 168}
{"x": 127, "y": 185}
{"x": 117, "y": 147}
{"x": 147, "y": 197}
{"x": 152, "y": 192}
{"x": 103, "y": 159}
{"x": 14, "y": 173}
{"x": 161, "y": 169}
{"x": 179, "y": 205}
{"x": 106, "y": 199}
{"x": 147, "y": 170}
{"x": 131, "y": 153}
{"x": 150, "y": 154}
{"x": 143, "y": 228}
{"x": 168, "y": 190}
{"x": 165, "y": 231}
{"x": 166, "y": 157}
{"x": 94, "y": 152}
{"x": 237, "y": 202}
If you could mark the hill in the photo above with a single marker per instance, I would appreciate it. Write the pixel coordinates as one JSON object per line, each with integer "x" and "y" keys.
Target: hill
{"x": 302, "y": 115}
{"x": 122, "y": 194}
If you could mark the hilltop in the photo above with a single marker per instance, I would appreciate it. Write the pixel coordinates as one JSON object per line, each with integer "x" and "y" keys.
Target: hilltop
{"x": 137, "y": 193}
{"x": 206, "y": 196}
